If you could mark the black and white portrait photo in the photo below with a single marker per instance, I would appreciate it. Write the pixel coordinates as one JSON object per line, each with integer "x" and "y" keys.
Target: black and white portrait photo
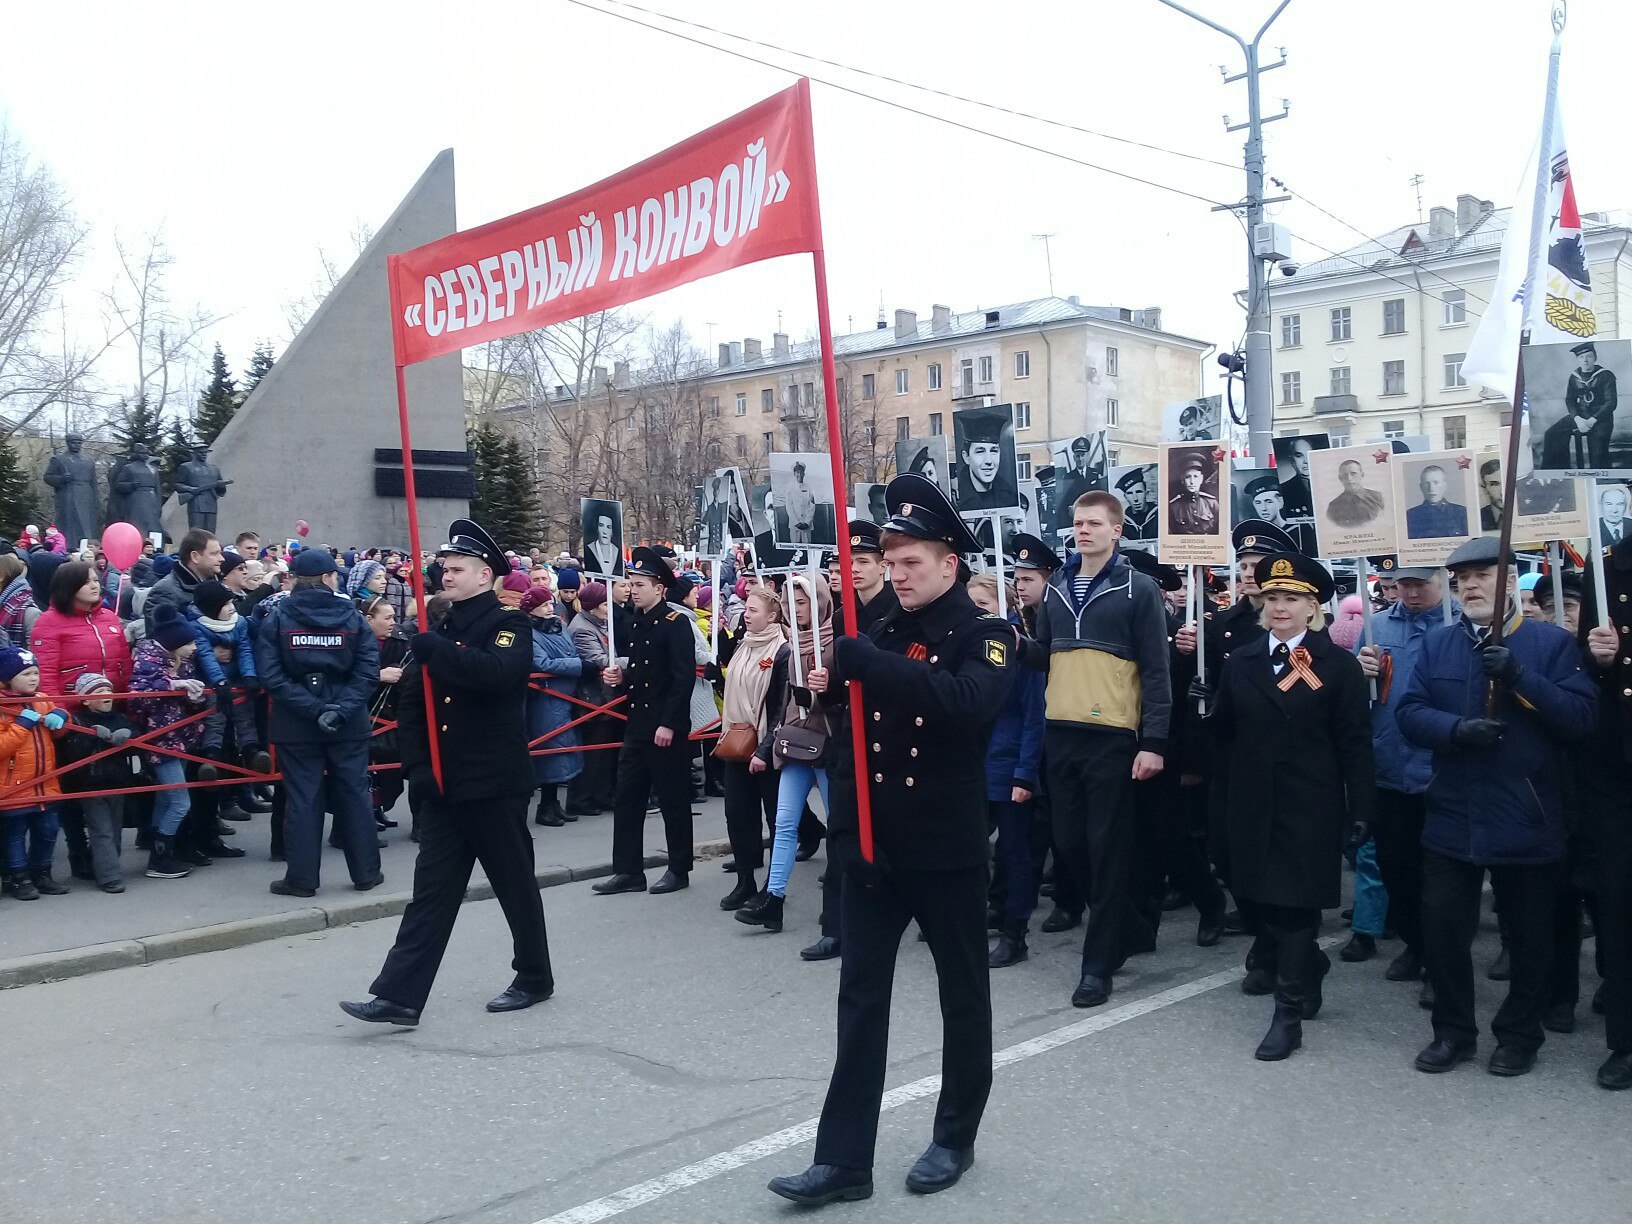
{"x": 870, "y": 503}
{"x": 1079, "y": 467}
{"x": 603, "y": 537}
{"x": 726, "y": 515}
{"x": 1614, "y": 517}
{"x": 1195, "y": 523}
{"x": 1354, "y": 500}
{"x": 1573, "y": 390}
{"x": 1135, "y": 487}
{"x": 1435, "y": 496}
{"x": 1194, "y": 420}
{"x": 926, "y": 457}
{"x": 988, "y": 474}
{"x": 1292, "y": 467}
{"x": 802, "y": 500}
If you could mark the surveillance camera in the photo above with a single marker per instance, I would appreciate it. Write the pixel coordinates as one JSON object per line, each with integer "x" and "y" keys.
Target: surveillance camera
{"x": 1289, "y": 267}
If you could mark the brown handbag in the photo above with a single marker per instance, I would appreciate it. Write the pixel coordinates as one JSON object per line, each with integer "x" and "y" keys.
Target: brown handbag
{"x": 738, "y": 742}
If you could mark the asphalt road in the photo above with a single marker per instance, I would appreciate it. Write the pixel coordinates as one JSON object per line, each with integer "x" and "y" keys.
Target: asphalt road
{"x": 661, "y": 1083}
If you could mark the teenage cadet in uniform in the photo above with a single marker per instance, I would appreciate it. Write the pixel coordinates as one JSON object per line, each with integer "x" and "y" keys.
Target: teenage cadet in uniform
{"x": 320, "y": 662}
{"x": 656, "y": 751}
{"x": 933, "y": 676}
{"x": 477, "y": 664}
{"x": 875, "y": 599}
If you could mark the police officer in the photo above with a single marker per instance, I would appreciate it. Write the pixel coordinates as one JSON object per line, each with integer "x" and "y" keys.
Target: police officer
{"x": 319, "y": 663}
{"x": 933, "y": 677}
{"x": 476, "y": 665}
{"x": 656, "y": 751}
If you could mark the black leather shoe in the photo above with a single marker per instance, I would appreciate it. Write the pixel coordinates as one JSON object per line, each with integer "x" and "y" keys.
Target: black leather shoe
{"x": 1442, "y": 1054}
{"x": 1259, "y": 981}
{"x": 939, "y": 1168}
{"x": 1510, "y": 1060}
{"x": 515, "y": 998}
{"x": 806, "y": 850}
{"x": 825, "y": 948}
{"x": 1091, "y": 991}
{"x": 1062, "y": 920}
{"x": 744, "y": 892}
{"x": 672, "y": 881}
{"x": 1209, "y": 930}
{"x": 620, "y": 884}
{"x": 1501, "y": 968}
{"x": 1285, "y": 1033}
{"x": 1560, "y": 1018}
{"x": 372, "y": 882}
{"x": 1173, "y": 899}
{"x": 382, "y": 1011}
{"x": 1233, "y": 924}
{"x": 1406, "y": 967}
{"x": 1616, "y": 1073}
{"x": 285, "y": 889}
{"x": 1359, "y": 948}
{"x": 821, "y": 1184}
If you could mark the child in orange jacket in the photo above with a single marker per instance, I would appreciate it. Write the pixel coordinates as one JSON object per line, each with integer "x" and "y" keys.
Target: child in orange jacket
{"x": 28, "y": 831}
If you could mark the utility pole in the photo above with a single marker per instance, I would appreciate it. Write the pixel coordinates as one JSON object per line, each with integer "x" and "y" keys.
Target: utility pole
{"x": 1048, "y": 258}
{"x": 1260, "y": 404}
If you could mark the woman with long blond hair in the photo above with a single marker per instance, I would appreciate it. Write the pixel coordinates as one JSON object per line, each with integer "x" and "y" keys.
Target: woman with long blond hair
{"x": 749, "y": 658}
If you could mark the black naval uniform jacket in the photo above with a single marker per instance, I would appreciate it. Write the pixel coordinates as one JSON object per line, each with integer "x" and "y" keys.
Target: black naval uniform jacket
{"x": 1228, "y": 631}
{"x": 479, "y": 670}
{"x": 933, "y": 681}
{"x": 661, "y": 672}
{"x": 841, "y": 770}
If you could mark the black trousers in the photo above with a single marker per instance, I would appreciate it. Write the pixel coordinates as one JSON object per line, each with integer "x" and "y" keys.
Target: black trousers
{"x": 950, "y": 907}
{"x": 595, "y": 786}
{"x": 453, "y": 838}
{"x": 1396, "y": 823}
{"x": 1169, "y": 850}
{"x": 843, "y": 851}
{"x": 1286, "y": 938}
{"x": 1090, "y": 779}
{"x": 1451, "y": 894}
{"x": 1608, "y": 801}
{"x": 750, "y": 799}
{"x": 307, "y": 793}
{"x": 643, "y": 766}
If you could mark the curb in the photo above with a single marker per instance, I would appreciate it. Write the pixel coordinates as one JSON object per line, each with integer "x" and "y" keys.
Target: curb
{"x": 41, "y": 967}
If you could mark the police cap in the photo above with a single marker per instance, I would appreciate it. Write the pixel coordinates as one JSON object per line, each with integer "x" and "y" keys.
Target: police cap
{"x": 468, "y": 538}
{"x": 864, "y": 536}
{"x": 1296, "y": 573}
{"x": 919, "y": 509}
{"x": 1255, "y": 538}
{"x": 646, "y": 562}
{"x": 1031, "y": 552}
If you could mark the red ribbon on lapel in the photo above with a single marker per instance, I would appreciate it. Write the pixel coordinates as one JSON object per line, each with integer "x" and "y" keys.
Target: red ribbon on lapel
{"x": 1299, "y": 667}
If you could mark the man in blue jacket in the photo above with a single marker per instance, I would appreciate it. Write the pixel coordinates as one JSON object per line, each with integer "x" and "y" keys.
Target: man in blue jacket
{"x": 1403, "y": 768}
{"x": 1493, "y": 802}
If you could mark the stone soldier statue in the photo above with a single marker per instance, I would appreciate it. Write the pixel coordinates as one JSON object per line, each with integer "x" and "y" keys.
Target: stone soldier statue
{"x": 73, "y": 476}
{"x": 133, "y": 491}
{"x": 200, "y": 488}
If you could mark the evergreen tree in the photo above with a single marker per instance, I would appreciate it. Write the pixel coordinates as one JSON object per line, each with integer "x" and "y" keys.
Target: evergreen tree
{"x": 19, "y": 503}
{"x": 506, "y": 502}
{"x": 260, "y": 361}
{"x": 135, "y": 423}
{"x": 176, "y": 450}
{"x": 219, "y": 401}
{"x": 522, "y": 494}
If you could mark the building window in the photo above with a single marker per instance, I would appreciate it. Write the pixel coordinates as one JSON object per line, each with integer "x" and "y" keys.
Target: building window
{"x": 1338, "y": 438}
{"x": 742, "y": 403}
{"x": 1022, "y": 415}
{"x": 1394, "y": 317}
{"x": 1113, "y": 412}
{"x": 1113, "y": 456}
{"x": 770, "y": 441}
{"x": 1292, "y": 388}
{"x": 1022, "y": 364}
{"x": 1453, "y": 370}
{"x": 869, "y": 430}
{"x": 903, "y": 429}
{"x": 869, "y": 385}
{"x": 795, "y": 439}
{"x": 935, "y": 376}
{"x": 1024, "y": 464}
{"x": 1456, "y": 432}
{"x": 767, "y": 400}
{"x": 809, "y": 396}
{"x": 1456, "y": 307}
{"x": 935, "y": 428}
{"x": 1392, "y": 430}
{"x": 900, "y": 382}
{"x": 713, "y": 405}
{"x": 1393, "y": 378}
{"x": 1340, "y": 380}
{"x": 1341, "y": 326}
{"x": 985, "y": 369}
{"x": 966, "y": 375}
{"x": 1291, "y": 331}
{"x": 1111, "y": 362}
{"x": 742, "y": 446}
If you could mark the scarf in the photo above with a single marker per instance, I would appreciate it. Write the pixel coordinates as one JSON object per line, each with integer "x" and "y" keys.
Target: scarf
{"x": 818, "y": 653}
{"x": 748, "y": 678}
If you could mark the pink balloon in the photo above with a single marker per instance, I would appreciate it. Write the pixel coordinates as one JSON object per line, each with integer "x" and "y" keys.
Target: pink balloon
{"x": 122, "y": 544}
{"x": 302, "y": 527}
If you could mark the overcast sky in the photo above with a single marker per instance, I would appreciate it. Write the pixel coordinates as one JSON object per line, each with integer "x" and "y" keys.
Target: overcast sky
{"x": 256, "y": 133}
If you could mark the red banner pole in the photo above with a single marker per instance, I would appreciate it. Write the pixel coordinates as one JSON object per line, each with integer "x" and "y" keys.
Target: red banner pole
{"x": 418, "y": 573}
{"x": 841, "y": 485}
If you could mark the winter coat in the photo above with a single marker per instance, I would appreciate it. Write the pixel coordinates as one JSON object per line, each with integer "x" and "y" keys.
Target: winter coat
{"x": 68, "y": 647}
{"x": 114, "y": 770}
{"x": 238, "y": 639}
{"x": 16, "y": 601}
{"x": 589, "y": 639}
{"x": 382, "y": 706}
{"x": 28, "y": 752}
{"x": 1501, "y": 805}
{"x": 313, "y": 650}
{"x": 151, "y": 674}
{"x": 1015, "y": 755}
{"x": 1399, "y": 634}
{"x": 1294, "y": 772}
{"x": 556, "y": 669}
{"x": 175, "y": 588}
{"x": 833, "y": 715}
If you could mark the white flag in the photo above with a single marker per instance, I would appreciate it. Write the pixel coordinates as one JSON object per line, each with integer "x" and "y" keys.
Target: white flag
{"x": 1553, "y": 299}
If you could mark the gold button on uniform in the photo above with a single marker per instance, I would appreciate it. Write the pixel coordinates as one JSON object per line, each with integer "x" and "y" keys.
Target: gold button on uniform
{"x": 909, "y": 781}
{"x": 915, "y": 752}
{"x": 878, "y": 777}
{"x": 444, "y": 726}
{"x": 446, "y": 700}
{"x": 876, "y": 748}
{"x": 877, "y": 715}
{"x": 918, "y": 722}
{"x": 934, "y": 658}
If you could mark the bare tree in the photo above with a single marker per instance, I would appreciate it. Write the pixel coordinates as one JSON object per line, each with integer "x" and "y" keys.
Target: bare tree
{"x": 680, "y": 430}
{"x": 297, "y": 311}
{"x": 163, "y": 337}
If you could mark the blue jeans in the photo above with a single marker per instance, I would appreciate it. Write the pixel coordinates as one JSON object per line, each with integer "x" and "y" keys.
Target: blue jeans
{"x": 169, "y": 806}
{"x": 30, "y": 838}
{"x": 791, "y": 793}
{"x": 1370, "y": 897}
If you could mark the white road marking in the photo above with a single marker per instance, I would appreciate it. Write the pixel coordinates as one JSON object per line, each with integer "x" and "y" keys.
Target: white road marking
{"x": 690, "y": 1175}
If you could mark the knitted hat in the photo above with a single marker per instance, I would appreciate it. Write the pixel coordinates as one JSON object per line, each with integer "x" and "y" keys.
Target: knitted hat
{"x": 170, "y": 629}
{"x": 518, "y": 582}
{"x": 591, "y": 595}
{"x": 163, "y": 563}
{"x": 568, "y": 578}
{"x": 705, "y": 597}
{"x": 230, "y": 561}
{"x": 92, "y": 682}
{"x": 361, "y": 574}
{"x": 536, "y": 597}
{"x": 210, "y": 597}
{"x": 13, "y": 660}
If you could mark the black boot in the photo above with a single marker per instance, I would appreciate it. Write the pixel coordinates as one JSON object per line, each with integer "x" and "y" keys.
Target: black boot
{"x": 46, "y": 885}
{"x": 1011, "y": 945}
{"x": 764, "y": 910}
{"x": 185, "y": 847}
{"x": 1285, "y": 1032}
{"x": 1312, "y": 997}
{"x": 745, "y": 891}
{"x": 19, "y": 885}
{"x": 162, "y": 863}
{"x": 549, "y": 808}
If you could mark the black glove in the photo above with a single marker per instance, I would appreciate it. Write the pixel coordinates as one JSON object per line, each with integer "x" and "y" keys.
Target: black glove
{"x": 1201, "y": 693}
{"x": 250, "y": 684}
{"x": 1478, "y": 732}
{"x": 422, "y": 787}
{"x": 223, "y": 695}
{"x": 1499, "y": 664}
{"x": 851, "y": 657}
{"x": 424, "y": 645}
{"x": 1359, "y": 831}
{"x": 330, "y": 720}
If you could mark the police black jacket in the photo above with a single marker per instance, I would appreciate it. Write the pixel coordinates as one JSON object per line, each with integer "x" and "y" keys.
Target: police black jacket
{"x": 479, "y": 660}
{"x": 662, "y": 669}
{"x": 933, "y": 682}
{"x": 314, "y": 650}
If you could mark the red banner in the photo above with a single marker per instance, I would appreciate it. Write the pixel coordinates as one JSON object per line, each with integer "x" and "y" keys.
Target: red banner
{"x": 742, "y": 191}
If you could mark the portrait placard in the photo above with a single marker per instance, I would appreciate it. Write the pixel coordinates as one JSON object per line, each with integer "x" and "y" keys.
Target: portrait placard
{"x": 1136, "y": 487}
{"x": 926, "y": 457}
{"x": 1079, "y": 467}
{"x": 870, "y": 503}
{"x": 1297, "y": 495}
{"x": 1197, "y": 420}
{"x": 1354, "y": 501}
{"x": 1195, "y": 523}
{"x": 1547, "y": 506}
{"x": 1573, "y": 393}
{"x": 602, "y": 524}
{"x": 1612, "y": 512}
{"x": 988, "y": 477}
{"x": 803, "y": 506}
{"x": 1434, "y": 497}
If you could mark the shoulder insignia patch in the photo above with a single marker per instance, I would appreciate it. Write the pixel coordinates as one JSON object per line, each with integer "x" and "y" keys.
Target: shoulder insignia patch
{"x": 997, "y": 652}
{"x": 505, "y": 638}
{"x": 672, "y": 616}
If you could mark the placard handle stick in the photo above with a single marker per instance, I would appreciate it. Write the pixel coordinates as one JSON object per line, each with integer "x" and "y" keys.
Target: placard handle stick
{"x": 997, "y": 548}
{"x": 611, "y": 623}
{"x": 795, "y": 660}
{"x": 1596, "y": 551}
{"x": 1555, "y": 560}
{"x": 1445, "y": 601}
{"x": 716, "y": 609}
{"x": 1362, "y": 575}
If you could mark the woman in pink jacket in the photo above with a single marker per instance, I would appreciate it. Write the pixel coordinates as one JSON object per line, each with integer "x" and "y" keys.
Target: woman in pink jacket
{"x": 76, "y": 635}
